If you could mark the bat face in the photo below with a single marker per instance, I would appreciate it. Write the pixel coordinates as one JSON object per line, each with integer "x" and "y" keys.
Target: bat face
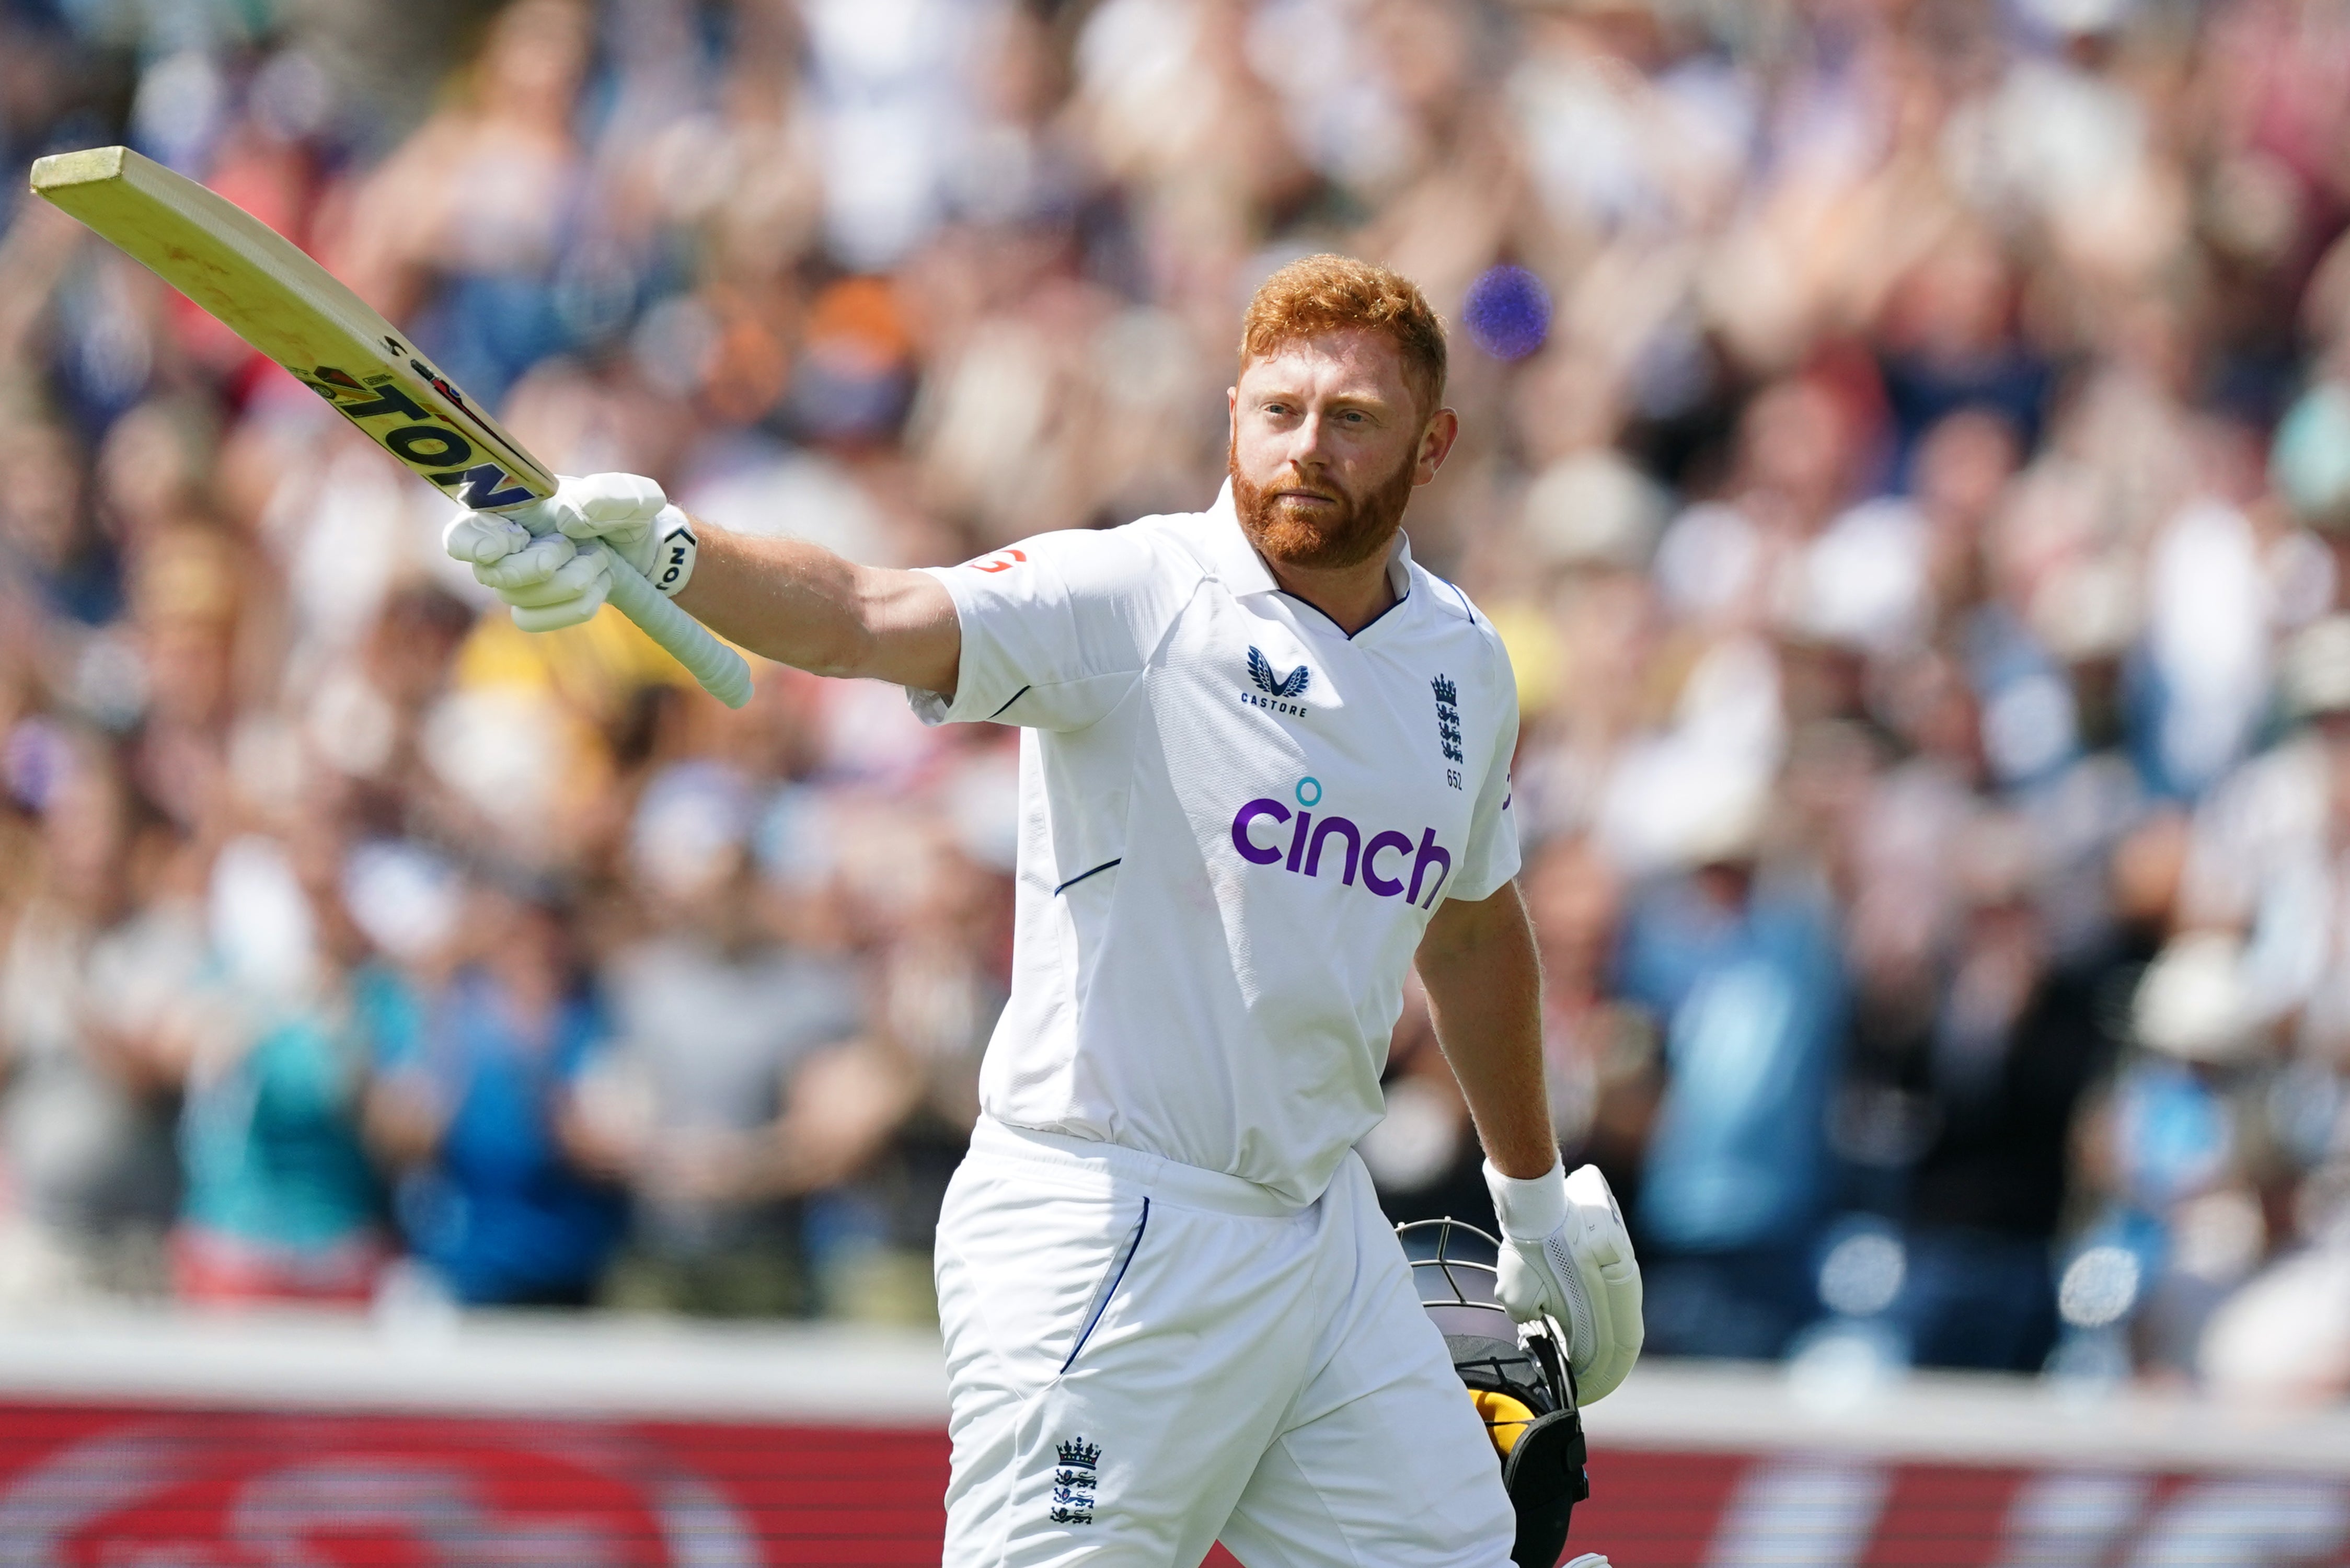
{"x": 275, "y": 296}
{"x": 268, "y": 291}
{"x": 430, "y": 445}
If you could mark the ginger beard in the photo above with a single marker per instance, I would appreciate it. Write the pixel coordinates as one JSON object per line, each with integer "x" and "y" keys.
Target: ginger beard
{"x": 1329, "y": 538}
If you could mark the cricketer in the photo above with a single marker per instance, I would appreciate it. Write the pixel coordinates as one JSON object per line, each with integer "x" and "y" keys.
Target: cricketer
{"x": 1264, "y": 769}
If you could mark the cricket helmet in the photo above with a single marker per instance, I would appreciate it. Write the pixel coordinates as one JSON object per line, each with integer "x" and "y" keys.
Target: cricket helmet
{"x": 1520, "y": 1384}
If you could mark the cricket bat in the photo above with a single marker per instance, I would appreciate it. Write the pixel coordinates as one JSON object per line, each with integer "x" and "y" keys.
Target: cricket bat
{"x": 264, "y": 289}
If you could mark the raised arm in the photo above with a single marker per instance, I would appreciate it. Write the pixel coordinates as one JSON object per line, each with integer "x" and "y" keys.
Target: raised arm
{"x": 799, "y": 604}
{"x": 786, "y": 600}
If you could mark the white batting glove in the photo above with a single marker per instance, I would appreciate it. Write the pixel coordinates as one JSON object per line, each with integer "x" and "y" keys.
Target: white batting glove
{"x": 629, "y": 513}
{"x": 559, "y": 578}
{"x": 1566, "y": 1255}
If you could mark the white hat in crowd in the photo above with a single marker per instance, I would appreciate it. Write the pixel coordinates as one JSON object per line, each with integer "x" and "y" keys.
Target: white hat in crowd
{"x": 2193, "y": 1004}
{"x": 2317, "y": 668}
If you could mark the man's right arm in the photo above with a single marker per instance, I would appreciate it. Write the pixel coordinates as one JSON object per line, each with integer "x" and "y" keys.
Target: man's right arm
{"x": 785, "y": 599}
{"x": 799, "y": 604}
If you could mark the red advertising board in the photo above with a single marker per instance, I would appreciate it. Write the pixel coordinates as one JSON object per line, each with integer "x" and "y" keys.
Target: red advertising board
{"x": 122, "y": 1487}
{"x": 83, "y": 1487}
{"x": 1728, "y": 1510}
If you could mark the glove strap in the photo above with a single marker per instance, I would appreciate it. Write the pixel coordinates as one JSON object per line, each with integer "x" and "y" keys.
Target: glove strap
{"x": 674, "y": 548}
{"x": 1531, "y": 1209}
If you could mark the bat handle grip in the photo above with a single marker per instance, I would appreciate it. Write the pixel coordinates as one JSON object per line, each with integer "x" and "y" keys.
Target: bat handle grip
{"x": 721, "y": 670}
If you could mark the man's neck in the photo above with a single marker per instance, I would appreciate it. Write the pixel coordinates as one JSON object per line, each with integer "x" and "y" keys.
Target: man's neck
{"x": 1353, "y": 596}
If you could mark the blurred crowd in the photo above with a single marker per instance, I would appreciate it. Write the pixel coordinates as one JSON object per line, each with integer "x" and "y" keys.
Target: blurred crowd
{"x": 1906, "y": 447}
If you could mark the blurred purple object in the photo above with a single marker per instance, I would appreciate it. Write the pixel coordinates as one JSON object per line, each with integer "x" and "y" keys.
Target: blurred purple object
{"x": 34, "y": 759}
{"x": 1507, "y": 312}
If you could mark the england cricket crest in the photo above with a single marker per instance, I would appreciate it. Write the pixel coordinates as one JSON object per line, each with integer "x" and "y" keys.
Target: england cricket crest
{"x": 1074, "y": 1482}
{"x": 1448, "y": 717}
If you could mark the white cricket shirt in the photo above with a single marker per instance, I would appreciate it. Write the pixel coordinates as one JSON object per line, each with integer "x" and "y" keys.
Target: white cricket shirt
{"x": 1234, "y": 823}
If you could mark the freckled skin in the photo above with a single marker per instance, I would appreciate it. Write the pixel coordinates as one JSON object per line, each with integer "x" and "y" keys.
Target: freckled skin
{"x": 1328, "y": 441}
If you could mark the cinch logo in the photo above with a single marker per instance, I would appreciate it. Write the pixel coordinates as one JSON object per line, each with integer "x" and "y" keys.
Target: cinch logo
{"x": 1308, "y": 837}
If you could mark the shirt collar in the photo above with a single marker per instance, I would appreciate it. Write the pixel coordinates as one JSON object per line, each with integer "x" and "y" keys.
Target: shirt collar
{"x": 1237, "y": 564}
{"x": 1243, "y": 571}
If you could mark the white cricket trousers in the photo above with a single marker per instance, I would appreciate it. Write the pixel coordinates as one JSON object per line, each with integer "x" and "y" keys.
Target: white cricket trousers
{"x": 1145, "y": 1357}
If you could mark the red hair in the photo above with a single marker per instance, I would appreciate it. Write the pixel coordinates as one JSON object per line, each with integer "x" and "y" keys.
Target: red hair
{"x": 1326, "y": 293}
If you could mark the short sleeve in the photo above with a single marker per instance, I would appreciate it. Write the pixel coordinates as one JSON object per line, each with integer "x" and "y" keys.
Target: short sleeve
{"x": 1492, "y": 857}
{"x": 1055, "y": 629}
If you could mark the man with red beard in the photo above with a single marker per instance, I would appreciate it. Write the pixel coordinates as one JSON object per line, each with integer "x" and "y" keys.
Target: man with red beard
{"x": 1264, "y": 769}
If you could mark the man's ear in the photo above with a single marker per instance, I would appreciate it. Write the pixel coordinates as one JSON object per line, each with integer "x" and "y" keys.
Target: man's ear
{"x": 1436, "y": 444}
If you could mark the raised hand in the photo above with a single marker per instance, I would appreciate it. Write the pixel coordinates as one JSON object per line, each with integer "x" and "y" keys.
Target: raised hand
{"x": 547, "y": 560}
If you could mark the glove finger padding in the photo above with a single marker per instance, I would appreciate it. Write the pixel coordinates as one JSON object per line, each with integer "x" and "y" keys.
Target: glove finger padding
{"x": 480, "y": 537}
{"x": 617, "y": 508}
{"x": 1530, "y": 1284}
{"x": 566, "y": 612}
{"x": 1611, "y": 1277}
{"x": 589, "y": 572}
{"x": 591, "y": 504}
{"x": 536, "y": 564}
{"x": 549, "y": 601}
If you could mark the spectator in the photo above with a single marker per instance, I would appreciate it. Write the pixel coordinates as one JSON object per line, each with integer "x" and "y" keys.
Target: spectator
{"x": 474, "y": 1105}
{"x": 1742, "y": 968}
{"x": 99, "y": 956}
{"x": 741, "y": 1075}
{"x": 2011, "y": 1051}
{"x": 467, "y": 218}
{"x": 281, "y": 1201}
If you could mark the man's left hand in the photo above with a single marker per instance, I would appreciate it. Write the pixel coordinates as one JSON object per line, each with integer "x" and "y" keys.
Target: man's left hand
{"x": 1566, "y": 1255}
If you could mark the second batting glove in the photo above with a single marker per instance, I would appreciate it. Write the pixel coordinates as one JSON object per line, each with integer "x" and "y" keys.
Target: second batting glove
{"x": 1566, "y": 1255}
